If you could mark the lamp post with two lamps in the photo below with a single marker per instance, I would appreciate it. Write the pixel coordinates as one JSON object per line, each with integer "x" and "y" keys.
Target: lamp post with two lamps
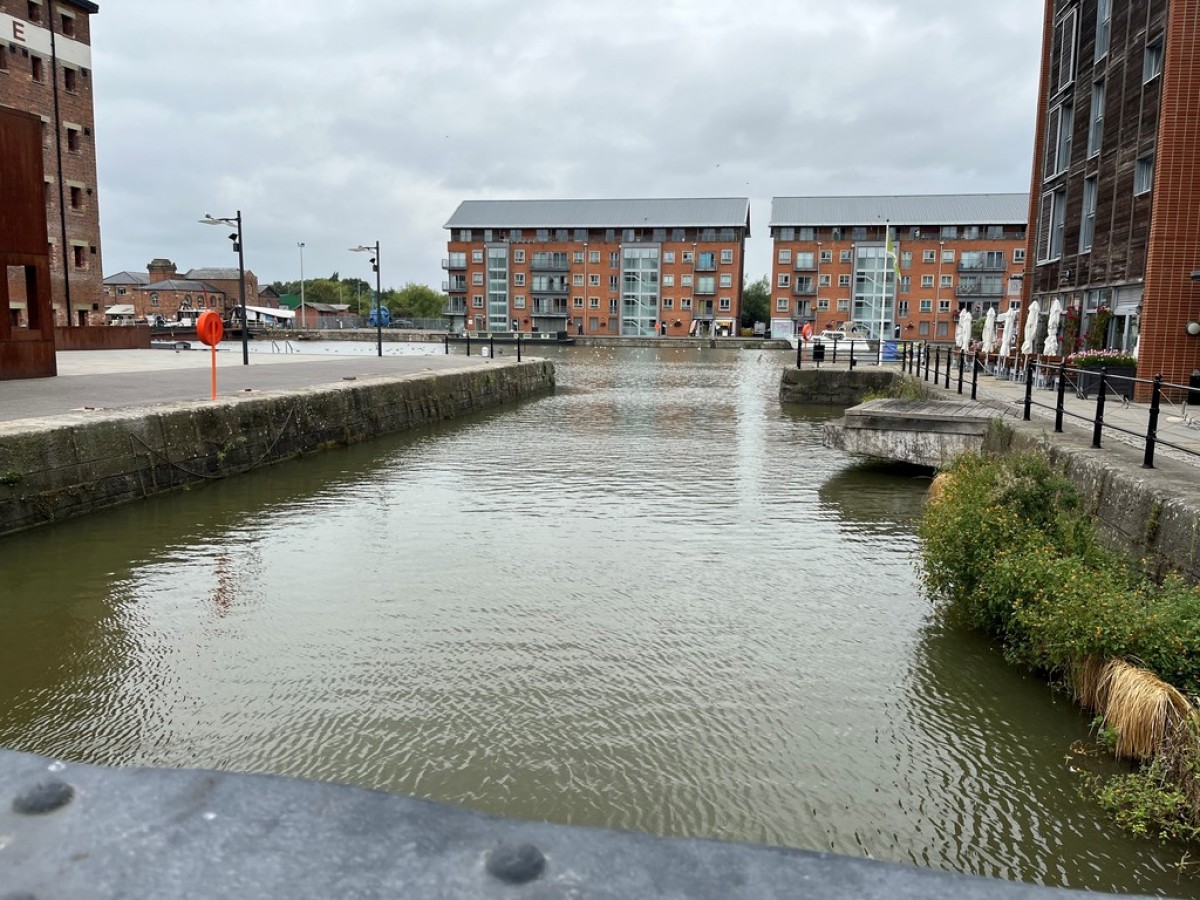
{"x": 300, "y": 244}
{"x": 236, "y": 237}
{"x": 374, "y": 248}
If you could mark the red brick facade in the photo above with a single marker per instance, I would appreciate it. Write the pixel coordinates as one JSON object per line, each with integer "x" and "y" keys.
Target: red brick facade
{"x": 45, "y": 69}
{"x": 1115, "y": 205}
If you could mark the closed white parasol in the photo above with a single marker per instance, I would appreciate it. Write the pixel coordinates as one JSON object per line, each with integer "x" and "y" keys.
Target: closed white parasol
{"x": 962, "y": 335}
{"x": 1050, "y": 348}
{"x": 1031, "y": 327}
{"x": 989, "y": 330}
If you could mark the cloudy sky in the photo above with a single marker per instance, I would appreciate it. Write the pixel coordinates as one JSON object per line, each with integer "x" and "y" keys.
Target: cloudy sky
{"x": 342, "y": 123}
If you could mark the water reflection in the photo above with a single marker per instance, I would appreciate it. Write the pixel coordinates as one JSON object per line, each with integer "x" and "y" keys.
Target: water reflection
{"x": 651, "y": 601}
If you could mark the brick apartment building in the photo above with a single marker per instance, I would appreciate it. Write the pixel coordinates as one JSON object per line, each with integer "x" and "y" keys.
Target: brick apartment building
{"x": 46, "y": 70}
{"x": 162, "y": 293}
{"x": 609, "y": 267}
{"x": 831, "y": 268}
{"x": 1116, "y": 176}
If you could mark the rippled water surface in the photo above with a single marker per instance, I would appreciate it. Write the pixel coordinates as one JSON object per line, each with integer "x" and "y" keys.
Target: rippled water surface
{"x": 651, "y": 601}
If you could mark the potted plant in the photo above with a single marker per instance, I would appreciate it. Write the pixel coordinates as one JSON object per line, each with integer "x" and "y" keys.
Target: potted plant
{"x": 1120, "y": 370}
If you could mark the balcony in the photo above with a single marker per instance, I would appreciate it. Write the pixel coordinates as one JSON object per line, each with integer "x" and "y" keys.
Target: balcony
{"x": 804, "y": 289}
{"x": 804, "y": 266}
{"x": 455, "y": 308}
{"x": 982, "y": 266}
{"x": 455, "y": 286}
{"x": 558, "y": 310}
{"x": 704, "y": 289}
{"x": 542, "y": 263}
{"x": 706, "y": 266}
{"x": 454, "y": 263}
{"x": 975, "y": 289}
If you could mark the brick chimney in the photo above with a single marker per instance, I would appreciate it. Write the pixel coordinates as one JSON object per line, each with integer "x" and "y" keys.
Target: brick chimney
{"x": 160, "y": 270}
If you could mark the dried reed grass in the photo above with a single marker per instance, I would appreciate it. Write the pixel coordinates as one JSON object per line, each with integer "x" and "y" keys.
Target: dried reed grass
{"x": 937, "y": 486}
{"x": 1088, "y": 683}
{"x": 1149, "y": 715}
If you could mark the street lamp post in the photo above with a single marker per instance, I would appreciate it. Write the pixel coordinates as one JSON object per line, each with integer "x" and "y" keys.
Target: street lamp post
{"x": 374, "y": 248}
{"x": 236, "y": 237}
{"x": 300, "y": 244}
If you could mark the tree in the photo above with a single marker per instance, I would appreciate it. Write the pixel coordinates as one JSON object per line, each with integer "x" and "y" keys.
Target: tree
{"x": 416, "y": 301}
{"x": 756, "y": 302}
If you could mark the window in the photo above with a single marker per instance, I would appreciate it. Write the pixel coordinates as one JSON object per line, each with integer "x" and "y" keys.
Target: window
{"x": 80, "y": 256}
{"x": 726, "y": 280}
{"x": 577, "y": 302}
{"x": 823, "y": 304}
{"x": 926, "y": 306}
{"x": 1096, "y": 119}
{"x": 923, "y": 329}
{"x": 1059, "y": 223}
{"x": 3, "y": 58}
{"x": 612, "y": 304}
{"x": 1143, "y": 174}
{"x": 36, "y": 68}
{"x": 806, "y": 233}
{"x": 519, "y": 279}
{"x": 1103, "y": 27}
{"x": 487, "y": 236}
{"x": 824, "y": 280}
{"x": 593, "y": 302}
{"x": 902, "y": 309}
{"x": 577, "y": 257}
{"x": 926, "y": 281}
{"x": 614, "y": 259}
{"x": 477, "y": 278}
{"x": 947, "y": 256}
{"x": 668, "y": 280}
{"x": 943, "y": 306}
{"x": 805, "y": 260}
{"x": 477, "y": 256}
{"x": 1058, "y": 139}
{"x": 943, "y": 328}
{"x": 929, "y": 256}
{"x": 519, "y": 301}
{"x": 1087, "y": 227}
{"x": 785, "y": 255}
{"x": 477, "y": 301}
{"x": 785, "y": 279}
{"x": 464, "y": 234}
{"x": 826, "y": 256}
{"x": 519, "y": 256}
{"x": 1019, "y": 255}
{"x": 844, "y": 256}
{"x": 154, "y": 299}
{"x": 781, "y": 304}
{"x": 668, "y": 256}
{"x": 843, "y": 304}
{"x": 688, "y": 256}
{"x": 515, "y": 234}
{"x": 949, "y": 232}
{"x": 542, "y": 234}
{"x": 73, "y": 139}
{"x": 1064, "y": 50}
{"x": 724, "y": 304}
{"x": 726, "y": 256}
{"x": 905, "y": 284}
{"x": 76, "y": 198}
{"x": 947, "y": 281}
{"x": 577, "y": 279}
{"x": 1152, "y": 63}
{"x": 906, "y": 259}
{"x": 35, "y": 11}
{"x": 594, "y": 280}
{"x": 668, "y": 302}
{"x": 581, "y": 235}
{"x": 685, "y": 302}
{"x": 787, "y": 234}
{"x": 69, "y": 76}
{"x": 843, "y": 281}
{"x": 858, "y": 233}
{"x": 685, "y": 280}
{"x": 68, "y": 25}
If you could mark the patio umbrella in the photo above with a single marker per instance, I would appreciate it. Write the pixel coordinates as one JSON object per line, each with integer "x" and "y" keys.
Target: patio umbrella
{"x": 1031, "y": 327}
{"x": 1050, "y": 348}
{"x": 962, "y": 335}
{"x": 1010, "y": 328}
{"x": 989, "y": 330}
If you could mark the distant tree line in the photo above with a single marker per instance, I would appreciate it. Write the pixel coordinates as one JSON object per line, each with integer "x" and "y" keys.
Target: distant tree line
{"x": 412, "y": 301}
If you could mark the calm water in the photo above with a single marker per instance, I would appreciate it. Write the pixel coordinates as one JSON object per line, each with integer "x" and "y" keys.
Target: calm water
{"x": 652, "y": 601}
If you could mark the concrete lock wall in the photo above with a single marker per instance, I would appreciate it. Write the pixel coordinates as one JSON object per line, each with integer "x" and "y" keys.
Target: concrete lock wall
{"x": 833, "y": 387}
{"x": 74, "y": 465}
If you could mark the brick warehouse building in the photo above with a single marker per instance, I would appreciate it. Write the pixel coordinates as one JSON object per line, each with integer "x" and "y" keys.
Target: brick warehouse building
{"x": 953, "y": 251}
{"x": 631, "y": 267}
{"x": 1116, "y": 176}
{"x": 46, "y": 70}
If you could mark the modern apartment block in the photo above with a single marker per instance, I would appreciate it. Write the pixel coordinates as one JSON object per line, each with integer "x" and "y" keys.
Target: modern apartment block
{"x": 832, "y": 270}
{"x": 1116, "y": 176}
{"x": 607, "y": 267}
{"x": 46, "y": 70}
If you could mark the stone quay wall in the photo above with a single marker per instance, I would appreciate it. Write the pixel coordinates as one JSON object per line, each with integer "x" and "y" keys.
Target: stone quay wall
{"x": 71, "y": 465}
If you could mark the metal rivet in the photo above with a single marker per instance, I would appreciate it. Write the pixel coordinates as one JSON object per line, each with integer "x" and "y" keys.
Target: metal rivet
{"x": 516, "y": 863}
{"x": 43, "y": 798}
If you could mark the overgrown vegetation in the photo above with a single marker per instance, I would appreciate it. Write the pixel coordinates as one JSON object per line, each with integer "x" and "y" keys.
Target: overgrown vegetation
{"x": 902, "y": 389}
{"x": 1007, "y": 549}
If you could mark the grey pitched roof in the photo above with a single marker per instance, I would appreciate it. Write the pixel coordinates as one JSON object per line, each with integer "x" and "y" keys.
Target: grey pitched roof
{"x": 181, "y": 284}
{"x": 918, "y": 209}
{"x": 721, "y": 212}
{"x": 85, "y": 5}
{"x": 228, "y": 274}
{"x": 128, "y": 278}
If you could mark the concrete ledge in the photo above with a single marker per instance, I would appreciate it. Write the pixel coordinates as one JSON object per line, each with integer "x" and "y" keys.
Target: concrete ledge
{"x": 831, "y": 386}
{"x": 72, "y": 830}
{"x": 69, "y": 465}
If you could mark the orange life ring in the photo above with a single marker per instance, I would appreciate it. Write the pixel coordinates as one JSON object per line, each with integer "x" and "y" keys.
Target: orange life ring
{"x": 209, "y": 328}
{"x": 807, "y": 331}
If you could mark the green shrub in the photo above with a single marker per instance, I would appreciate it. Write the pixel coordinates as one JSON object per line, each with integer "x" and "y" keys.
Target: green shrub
{"x": 1147, "y": 803}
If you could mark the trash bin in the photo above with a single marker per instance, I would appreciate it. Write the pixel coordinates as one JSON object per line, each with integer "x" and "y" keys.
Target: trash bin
{"x": 889, "y": 351}
{"x": 1194, "y": 388}
{"x": 818, "y": 351}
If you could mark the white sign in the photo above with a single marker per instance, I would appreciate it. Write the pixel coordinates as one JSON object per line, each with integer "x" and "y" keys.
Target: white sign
{"x": 37, "y": 40}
